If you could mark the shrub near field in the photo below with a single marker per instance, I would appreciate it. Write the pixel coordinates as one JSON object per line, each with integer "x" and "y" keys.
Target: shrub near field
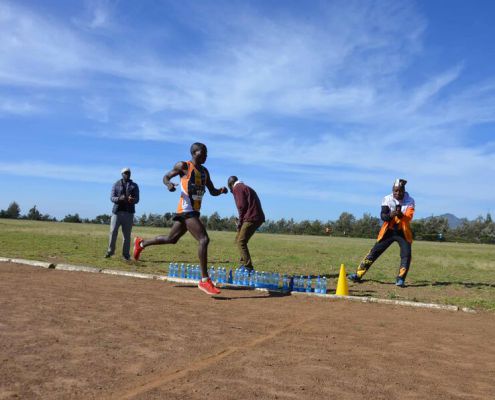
{"x": 451, "y": 273}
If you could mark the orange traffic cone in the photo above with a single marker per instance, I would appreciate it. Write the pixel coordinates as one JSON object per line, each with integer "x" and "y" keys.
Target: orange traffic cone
{"x": 342, "y": 288}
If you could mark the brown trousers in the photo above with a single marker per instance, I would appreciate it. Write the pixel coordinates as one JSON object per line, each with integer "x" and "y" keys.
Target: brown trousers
{"x": 242, "y": 238}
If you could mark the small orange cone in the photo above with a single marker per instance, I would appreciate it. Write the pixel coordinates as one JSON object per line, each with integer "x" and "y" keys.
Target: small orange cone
{"x": 342, "y": 288}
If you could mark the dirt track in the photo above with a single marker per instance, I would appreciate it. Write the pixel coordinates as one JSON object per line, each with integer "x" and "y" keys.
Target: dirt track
{"x": 70, "y": 335}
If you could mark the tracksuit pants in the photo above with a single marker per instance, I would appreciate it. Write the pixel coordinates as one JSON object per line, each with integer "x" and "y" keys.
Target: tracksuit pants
{"x": 125, "y": 220}
{"x": 390, "y": 236}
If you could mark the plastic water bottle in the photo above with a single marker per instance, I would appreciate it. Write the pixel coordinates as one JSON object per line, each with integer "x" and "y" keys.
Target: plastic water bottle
{"x": 296, "y": 284}
{"x": 211, "y": 273}
{"x": 255, "y": 279}
{"x": 291, "y": 284}
{"x": 318, "y": 284}
{"x": 285, "y": 283}
{"x": 308, "y": 285}
{"x": 300, "y": 285}
{"x": 323, "y": 288}
{"x": 245, "y": 277}
{"x": 182, "y": 271}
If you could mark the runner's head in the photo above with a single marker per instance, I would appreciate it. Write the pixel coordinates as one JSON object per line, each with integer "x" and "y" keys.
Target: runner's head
{"x": 231, "y": 181}
{"x": 199, "y": 152}
{"x": 399, "y": 188}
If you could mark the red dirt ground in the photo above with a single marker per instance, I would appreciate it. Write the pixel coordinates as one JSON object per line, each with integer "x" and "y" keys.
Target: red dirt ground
{"x": 71, "y": 335}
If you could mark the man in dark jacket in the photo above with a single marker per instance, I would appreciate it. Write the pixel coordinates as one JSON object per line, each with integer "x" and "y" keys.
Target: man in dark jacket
{"x": 251, "y": 216}
{"x": 124, "y": 196}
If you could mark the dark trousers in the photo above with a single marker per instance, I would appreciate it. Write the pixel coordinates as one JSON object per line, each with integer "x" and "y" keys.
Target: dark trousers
{"x": 245, "y": 233}
{"x": 125, "y": 220}
{"x": 382, "y": 245}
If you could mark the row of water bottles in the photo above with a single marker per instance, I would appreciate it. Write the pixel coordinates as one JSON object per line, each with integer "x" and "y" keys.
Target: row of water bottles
{"x": 260, "y": 279}
{"x": 193, "y": 272}
{"x": 220, "y": 275}
{"x": 305, "y": 284}
{"x": 251, "y": 278}
{"x": 188, "y": 271}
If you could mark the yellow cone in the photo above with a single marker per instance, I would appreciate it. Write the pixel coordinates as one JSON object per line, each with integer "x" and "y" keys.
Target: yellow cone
{"x": 342, "y": 288}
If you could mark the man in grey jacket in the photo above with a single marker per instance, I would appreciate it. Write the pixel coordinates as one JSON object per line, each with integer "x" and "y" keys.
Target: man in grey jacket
{"x": 124, "y": 196}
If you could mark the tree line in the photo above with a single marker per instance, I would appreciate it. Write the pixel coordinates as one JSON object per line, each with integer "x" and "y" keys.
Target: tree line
{"x": 480, "y": 230}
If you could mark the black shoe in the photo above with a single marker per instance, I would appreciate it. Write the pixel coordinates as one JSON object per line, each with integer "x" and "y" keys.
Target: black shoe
{"x": 108, "y": 255}
{"x": 400, "y": 282}
{"x": 354, "y": 278}
{"x": 126, "y": 258}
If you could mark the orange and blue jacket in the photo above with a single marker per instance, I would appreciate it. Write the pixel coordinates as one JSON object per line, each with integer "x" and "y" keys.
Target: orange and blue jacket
{"x": 407, "y": 206}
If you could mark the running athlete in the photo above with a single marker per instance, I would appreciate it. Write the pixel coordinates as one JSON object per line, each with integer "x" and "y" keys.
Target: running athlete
{"x": 397, "y": 212}
{"x": 193, "y": 180}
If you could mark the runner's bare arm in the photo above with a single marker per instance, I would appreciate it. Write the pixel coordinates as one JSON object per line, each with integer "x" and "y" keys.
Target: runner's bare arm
{"x": 211, "y": 188}
{"x": 179, "y": 169}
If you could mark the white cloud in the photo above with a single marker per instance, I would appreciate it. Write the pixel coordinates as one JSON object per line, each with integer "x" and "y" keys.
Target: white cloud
{"x": 18, "y": 107}
{"x": 80, "y": 173}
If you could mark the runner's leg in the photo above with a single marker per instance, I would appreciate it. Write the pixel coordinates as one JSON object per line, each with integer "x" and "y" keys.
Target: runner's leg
{"x": 177, "y": 231}
{"x": 197, "y": 229}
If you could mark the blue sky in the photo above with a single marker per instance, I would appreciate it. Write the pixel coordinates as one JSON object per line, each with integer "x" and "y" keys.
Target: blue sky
{"x": 317, "y": 105}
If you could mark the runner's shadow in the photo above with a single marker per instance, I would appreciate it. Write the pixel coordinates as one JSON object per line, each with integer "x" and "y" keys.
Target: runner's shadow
{"x": 265, "y": 295}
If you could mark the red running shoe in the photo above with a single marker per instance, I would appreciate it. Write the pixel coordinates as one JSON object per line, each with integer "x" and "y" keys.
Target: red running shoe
{"x": 208, "y": 287}
{"x": 137, "y": 247}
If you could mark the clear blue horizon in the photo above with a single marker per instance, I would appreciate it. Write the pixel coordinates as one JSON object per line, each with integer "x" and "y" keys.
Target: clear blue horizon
{"x": 318, "y": 106}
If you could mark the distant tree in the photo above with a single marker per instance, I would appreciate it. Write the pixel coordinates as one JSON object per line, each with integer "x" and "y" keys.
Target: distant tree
{"x": 103, "y": 219}
{"x": 367, "y": 227}
{"x": 155, "y": 220}
{"x": 34, "y": 214}
{"x": 344, "y": 224}
{"x": 72, "y": 218}
{"x": 13, "y": 211}
{"x": 488, "y": 219}
{"x": 143, "y": 219}
{"x": 214, "y": 222}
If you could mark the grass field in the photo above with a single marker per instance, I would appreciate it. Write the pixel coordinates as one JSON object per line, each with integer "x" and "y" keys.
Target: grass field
{"x": 448, "y": 273}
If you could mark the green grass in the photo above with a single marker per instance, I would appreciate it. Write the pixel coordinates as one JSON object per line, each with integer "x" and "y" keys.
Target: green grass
{"x": 450, "y": 273}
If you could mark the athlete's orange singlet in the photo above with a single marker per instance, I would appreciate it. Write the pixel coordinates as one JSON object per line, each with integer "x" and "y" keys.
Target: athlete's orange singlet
{"x": 192, "y": 187}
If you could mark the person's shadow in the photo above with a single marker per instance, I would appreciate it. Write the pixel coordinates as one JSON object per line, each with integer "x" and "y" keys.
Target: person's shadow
{"x": 261, "y": 295}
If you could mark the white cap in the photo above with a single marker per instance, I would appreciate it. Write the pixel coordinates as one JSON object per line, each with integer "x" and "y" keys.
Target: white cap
{"x": 400, "y": 183}
{"x": 126, "y": 169}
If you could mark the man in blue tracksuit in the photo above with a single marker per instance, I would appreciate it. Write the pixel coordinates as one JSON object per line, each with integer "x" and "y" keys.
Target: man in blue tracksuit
{"x": 124, "y": 196}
